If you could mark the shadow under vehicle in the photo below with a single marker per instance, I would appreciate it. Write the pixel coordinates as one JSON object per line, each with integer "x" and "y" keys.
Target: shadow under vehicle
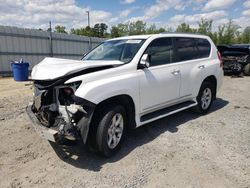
{"x": 75, "y": 153}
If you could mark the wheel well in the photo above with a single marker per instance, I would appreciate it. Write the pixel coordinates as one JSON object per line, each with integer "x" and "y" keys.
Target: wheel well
{"x": 126, "y": 101}
{"x": 212, "y": 79}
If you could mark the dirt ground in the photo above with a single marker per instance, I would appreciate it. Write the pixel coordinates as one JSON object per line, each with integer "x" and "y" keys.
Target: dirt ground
{"x": 183, "y": 150}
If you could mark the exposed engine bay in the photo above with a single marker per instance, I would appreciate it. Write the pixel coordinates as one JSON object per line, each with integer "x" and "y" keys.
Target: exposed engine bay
{"x": 58, "y": 108}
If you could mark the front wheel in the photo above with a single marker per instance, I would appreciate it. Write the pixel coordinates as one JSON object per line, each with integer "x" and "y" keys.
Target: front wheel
{"x": 111, "y": 130}
{"x": 204, "y": 98}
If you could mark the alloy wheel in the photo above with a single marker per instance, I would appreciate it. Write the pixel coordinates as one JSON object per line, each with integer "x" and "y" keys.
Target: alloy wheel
{"x": 206, "y": 98}
{"x": 115, "y": 131}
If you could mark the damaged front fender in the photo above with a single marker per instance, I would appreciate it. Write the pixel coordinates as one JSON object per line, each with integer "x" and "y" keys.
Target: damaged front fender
{"x": 84, "y": 123}
{"x": 83, "y": 126}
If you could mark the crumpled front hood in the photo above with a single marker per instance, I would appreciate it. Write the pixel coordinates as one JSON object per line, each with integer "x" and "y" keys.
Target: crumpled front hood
{"x": 52, "y": 68}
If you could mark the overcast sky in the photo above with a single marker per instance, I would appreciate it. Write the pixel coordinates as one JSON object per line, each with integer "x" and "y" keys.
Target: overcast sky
{"x": 165, "y": 13}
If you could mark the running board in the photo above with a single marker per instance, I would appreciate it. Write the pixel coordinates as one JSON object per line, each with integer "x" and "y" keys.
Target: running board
{"x": 167, "y": 111}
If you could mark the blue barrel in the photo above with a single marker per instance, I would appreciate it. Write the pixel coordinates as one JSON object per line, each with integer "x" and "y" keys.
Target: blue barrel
{"x": 20, "y": 71}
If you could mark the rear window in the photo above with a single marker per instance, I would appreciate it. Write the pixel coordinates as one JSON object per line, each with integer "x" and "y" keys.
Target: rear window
{"x": 192, "y": 48}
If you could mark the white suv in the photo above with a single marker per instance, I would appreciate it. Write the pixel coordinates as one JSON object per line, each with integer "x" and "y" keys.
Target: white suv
{"x": 123, "y": 83}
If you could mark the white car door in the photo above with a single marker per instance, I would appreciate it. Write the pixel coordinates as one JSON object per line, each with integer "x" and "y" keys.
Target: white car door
{"x": 160, "y": 83}
{"x": 193, "y": 56}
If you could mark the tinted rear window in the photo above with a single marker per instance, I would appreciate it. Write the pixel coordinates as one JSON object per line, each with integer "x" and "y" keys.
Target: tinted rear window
{"x": 192, "y": 48}
{"x": 204, "y": 48}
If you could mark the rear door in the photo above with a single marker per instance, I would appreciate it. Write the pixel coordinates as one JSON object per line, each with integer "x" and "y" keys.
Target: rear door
{"x": 193, "y": 57}
{"x": 160, "y": 83}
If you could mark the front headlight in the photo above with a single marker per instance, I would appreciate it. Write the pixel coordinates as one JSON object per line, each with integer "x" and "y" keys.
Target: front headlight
{"x": 66, "y": 93}
{"x": 75, "y": 85}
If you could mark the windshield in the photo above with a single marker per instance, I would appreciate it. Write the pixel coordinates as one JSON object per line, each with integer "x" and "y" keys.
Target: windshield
{"x": 122, "y": 50}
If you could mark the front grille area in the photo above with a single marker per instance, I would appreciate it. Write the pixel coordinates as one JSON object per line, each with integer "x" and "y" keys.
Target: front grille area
{"x": 44, "y": 106}
{"x": 42, "y": 97}
{"x": 229, "y": 60}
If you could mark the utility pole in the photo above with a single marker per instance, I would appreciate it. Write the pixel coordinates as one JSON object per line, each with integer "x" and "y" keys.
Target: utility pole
{"x": 90, "y": 43}
{"x": 50, "y": 39}
{"x": 88, "y": 18}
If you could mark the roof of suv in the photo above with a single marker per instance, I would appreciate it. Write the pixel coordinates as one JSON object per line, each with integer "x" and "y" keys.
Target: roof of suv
{"x": 133, "y": 37}
{"x": 161, "y": 34}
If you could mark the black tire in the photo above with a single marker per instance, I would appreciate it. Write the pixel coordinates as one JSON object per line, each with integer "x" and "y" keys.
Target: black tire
{"x": 200, "y": 108}
{"x": 247, "y": 69}
{"x": 238, "y": 68}
{"x": 105, "y": 125}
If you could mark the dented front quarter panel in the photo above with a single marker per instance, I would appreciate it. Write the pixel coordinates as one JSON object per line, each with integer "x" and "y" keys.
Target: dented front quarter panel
{"x": 84, "y": 123}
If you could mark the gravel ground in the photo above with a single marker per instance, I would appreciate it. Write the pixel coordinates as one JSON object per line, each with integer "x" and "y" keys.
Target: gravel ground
{"x": 183, "y": 150}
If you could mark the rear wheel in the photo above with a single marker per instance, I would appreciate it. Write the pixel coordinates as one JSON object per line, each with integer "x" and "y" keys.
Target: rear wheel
{"x": 111, "y": 130}
{"x": 247, "y": 70}
{"x": 205, "y": 98}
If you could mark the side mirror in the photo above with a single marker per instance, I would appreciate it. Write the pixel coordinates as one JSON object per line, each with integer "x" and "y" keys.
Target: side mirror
{"x": 144, "y": 62}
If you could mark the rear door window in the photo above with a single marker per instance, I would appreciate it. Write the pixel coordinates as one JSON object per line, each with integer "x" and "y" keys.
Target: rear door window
{"x": 186, "y": 49}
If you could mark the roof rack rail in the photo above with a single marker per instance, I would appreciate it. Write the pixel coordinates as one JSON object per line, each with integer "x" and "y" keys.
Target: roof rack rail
{"x": 181, "y": 33}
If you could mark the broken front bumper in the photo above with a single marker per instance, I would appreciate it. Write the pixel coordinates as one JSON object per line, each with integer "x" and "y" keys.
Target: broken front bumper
{"x": 44, "y": 132}
{"x": 54, "y": 135}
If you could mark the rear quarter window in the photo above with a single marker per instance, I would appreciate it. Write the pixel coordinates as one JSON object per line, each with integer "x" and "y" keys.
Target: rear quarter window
{"x": 204, "y": 48}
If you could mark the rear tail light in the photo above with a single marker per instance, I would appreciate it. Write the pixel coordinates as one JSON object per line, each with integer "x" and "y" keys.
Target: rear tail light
{"x": 219, "y": 57}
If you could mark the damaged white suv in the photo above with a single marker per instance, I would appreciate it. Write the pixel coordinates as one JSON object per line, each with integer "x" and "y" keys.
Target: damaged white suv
{"x": 123, "y": 83}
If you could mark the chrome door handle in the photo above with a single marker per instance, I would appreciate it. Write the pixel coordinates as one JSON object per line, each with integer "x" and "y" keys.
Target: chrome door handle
{"x": 176, "y": 72}
{"x": 201, "y": 66}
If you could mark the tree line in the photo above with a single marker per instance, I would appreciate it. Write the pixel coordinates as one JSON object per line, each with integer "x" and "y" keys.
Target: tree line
{"x": 228, "y": 33}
